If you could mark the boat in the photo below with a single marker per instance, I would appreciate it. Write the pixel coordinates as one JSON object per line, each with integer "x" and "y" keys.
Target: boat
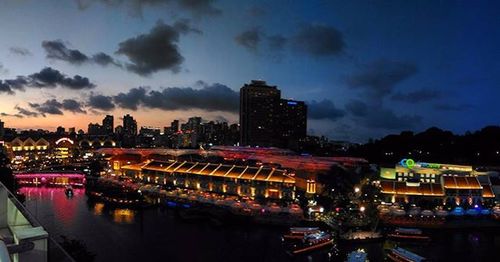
{"x": 408, "y": 234}
{"x": 300, "y": 232}
{"x": 312, "y": 242}
{"x": 357, "y": 256}
{"x": 68, "y": 191}
{"x": 402, "y": 255}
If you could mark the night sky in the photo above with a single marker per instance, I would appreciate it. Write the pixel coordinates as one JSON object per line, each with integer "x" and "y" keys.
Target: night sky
{"x": 365, "y": 68}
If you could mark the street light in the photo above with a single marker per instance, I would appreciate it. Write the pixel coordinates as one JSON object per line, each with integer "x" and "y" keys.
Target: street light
{"x": 362, "y": 209}
{"x": 356, "y": 189}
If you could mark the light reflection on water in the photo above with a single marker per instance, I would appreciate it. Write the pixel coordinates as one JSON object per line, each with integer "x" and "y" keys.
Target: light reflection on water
{"x": 151, "y": 233}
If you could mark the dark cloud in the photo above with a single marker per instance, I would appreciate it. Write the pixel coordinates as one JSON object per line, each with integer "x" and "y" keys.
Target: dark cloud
{"x": 383, "y": 118}
{"x": 378, "y": 117}
{"x": 6, "y": 88}
{"x": 57, "y": 50}
{"x": 100, "y": 102}
{"x": 417, "y": 96}
{"x": 257, "y": 11}
{"x": 51, "y": 107}
{"x": 105, "y": 59}
{"x": 381, "y": 76}
{"x": 184, "y": 26}
{"x": 49, "y": 77}
{"x": 73, "y": 106}
{"x": 318, "y": 40}
{"x": 26, "y": 112}
{"x": 452, "y": 107}
{"x": 276, "y": 42}
{"x": 20, "y": 51}
{"x": 215, "y": 97}
{"x": 3, "y": 70}
{"x": 11, "y": 115}
{"x": 156, "y": 50}
{"x": 324, "y": 109}
{"x": 197, "y": 8}
{"x": 54, "y": 107}
{"x": 46, "y": 78}
{"x": 357, "y": 108}
{"x": 250, "y": 39}
{"x": 132, "y": 99}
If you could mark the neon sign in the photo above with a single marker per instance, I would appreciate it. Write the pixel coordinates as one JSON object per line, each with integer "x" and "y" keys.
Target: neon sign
{"x": 410, "y": 163}
{"x": 64, "y": 139}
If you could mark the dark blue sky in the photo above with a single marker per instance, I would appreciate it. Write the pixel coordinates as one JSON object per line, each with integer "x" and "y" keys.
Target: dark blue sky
{"x": 366, "y": 68}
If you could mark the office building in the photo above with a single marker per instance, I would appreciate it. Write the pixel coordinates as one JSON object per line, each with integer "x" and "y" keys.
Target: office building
{"x": 108, "y": 125}
{"x": 269, "y": 121}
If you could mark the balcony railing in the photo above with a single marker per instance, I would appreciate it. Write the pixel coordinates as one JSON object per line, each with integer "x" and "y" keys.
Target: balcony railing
{"x": 22, "y": 238}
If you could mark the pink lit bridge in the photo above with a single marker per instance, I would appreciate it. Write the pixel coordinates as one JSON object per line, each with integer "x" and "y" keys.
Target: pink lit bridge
{"x": 50, "y": 179}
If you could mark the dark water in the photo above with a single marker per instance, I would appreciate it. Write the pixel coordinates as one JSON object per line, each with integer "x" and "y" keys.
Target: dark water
{"x": 154, "y": 235}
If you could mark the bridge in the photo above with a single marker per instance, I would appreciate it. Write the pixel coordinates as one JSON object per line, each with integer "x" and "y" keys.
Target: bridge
{"x": 50, "y": 179}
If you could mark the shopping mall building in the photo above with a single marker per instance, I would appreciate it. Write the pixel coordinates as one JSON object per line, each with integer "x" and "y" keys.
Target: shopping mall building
{"x": 411, "y": 181}
{"x": 260, "y": 182}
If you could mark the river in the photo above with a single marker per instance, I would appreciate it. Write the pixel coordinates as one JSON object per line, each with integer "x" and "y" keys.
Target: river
{"x": 115, "y": 234}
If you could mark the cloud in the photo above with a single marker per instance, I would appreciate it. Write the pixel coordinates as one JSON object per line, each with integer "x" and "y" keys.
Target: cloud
{"x": 452, "y": 107}
{"x": 383, "y": 118}
{"x": 381, "y": 76}
{"x": 257, "y": 11}
{"x": 49, "y": 77}
{"x": 73, "y": 106}
{"x": 57, "y": 50}
{"x": 357, "y": 108}
{"x": 11, "y": 115}
{"x": 373, "y": 116}
{"x": 324, "y": 109}
{"x": 197, "y": 8}
{"x": 3, "y": 70}
{"x": 54, "y": 107}
{"x": 26, "y": 112}
{"x": 105, "y": 59}
{"x": 156, "y": 50}
{"x": 20, "y": 51}
{"x": 215, "y": 97}
{"x": 100, "y": 102}
{"x": 277, "y": 42}
{"x": 417, "y": 96}
{"x": 318, "y": 40}
{"x": 46, "y": 78}
{"x": 250, "y": 39}
{"x": 51, "y": 107}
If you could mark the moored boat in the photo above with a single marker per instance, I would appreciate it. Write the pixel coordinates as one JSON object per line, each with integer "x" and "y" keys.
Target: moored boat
{"x": 300, "y": 232}
{"x": 402, "y": 255}
{"x": 312, "y": 242}
{"x": 357, "y": 256}
{"x": 408, "y": 234}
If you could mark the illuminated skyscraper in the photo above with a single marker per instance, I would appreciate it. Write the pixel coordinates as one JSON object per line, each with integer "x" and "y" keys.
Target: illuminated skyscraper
{"x": 268, "y": 120}
{"x": 108, "y": 125}
{"x": 258, "y": 114}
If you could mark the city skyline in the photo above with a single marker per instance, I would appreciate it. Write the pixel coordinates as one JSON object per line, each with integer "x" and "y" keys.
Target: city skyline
{"x": 360, "y": 80}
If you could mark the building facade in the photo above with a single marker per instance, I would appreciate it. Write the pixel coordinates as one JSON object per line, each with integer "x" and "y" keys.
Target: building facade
{"x": 269, "y": 121}
{"x": 447, "y": 184}
{"x": 258, "y": 182}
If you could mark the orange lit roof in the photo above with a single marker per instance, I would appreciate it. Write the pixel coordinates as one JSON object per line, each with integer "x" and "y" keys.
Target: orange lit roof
{"x": 488, "y": 191}
{"x": 218, "y": 170}
{"x": 461, "y": 182}
{"x": 401, "y": 188}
